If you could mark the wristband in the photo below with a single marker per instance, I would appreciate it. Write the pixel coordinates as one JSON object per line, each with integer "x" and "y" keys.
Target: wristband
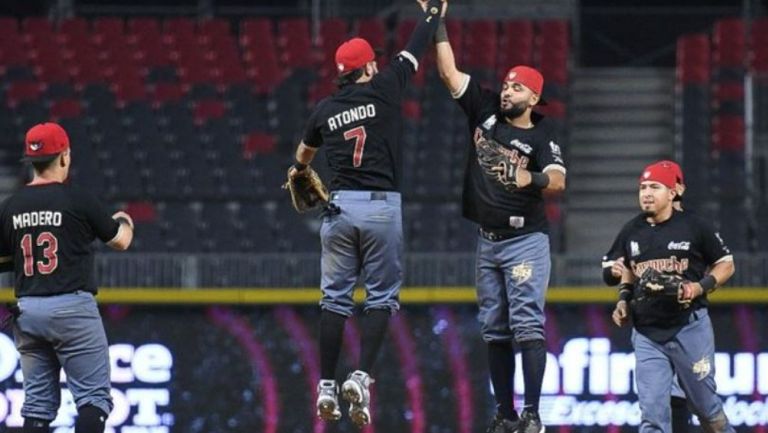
{"x": 123, "y": 220}
{"x": 625, "y": 292}
{"x": 441, "y": 35}
{"x": 539, "y": 180}
{"x": 708, "y": 283}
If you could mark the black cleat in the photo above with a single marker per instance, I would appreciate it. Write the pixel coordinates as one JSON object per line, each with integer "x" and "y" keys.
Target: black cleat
{"x": 530, "y": 422}
{"x": 502, "y": 425}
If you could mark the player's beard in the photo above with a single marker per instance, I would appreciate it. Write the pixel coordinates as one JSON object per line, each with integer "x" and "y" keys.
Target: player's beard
{"x": 515, "y": 110}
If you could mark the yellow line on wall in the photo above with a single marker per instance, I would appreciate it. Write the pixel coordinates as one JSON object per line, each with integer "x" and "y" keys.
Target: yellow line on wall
{"x": 408, "y": 295}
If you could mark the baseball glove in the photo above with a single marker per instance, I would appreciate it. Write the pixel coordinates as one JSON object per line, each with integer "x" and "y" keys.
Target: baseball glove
{"x": 306, "y": 188}
{"x": 495, "y": 160}
{"x": 654, "y": 283}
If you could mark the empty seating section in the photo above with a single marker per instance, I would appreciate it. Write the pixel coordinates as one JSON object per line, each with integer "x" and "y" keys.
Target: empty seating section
{"x": 191, "y": 124}
{"x": 711, "y": 72}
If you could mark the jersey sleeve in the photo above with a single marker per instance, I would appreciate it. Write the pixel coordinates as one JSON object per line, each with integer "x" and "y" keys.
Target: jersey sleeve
{"x": 312, "y": 134}
{"x": 713, "y": 247}
{"x": 393, "y": 79}
{"x": 100, "y": 220}
{"x": 550, "y": 156}
{"x": 614, "y": 253}
{"x": 476, "y": 101}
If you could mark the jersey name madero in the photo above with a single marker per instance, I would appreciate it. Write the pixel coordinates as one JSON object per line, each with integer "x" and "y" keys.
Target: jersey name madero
{"x": 359, "y": 128}
{"x": 684, "y": 245}
{"x": 486, "y": 200}
{"x": 47, "y": 231}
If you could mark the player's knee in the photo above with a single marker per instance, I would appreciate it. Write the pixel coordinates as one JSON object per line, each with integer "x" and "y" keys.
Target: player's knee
{"x": 90, "y": 419}
{"x": 36, "y": 425}
{"x": 531, "y": 344}
{"x": 716, "y": 424}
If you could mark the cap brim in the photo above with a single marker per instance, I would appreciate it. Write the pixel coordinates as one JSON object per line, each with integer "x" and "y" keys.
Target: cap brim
{"x": 40, "y": 158}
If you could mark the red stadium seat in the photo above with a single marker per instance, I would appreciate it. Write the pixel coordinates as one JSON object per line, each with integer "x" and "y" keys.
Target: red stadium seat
{"x": 77, "y": 27}
{"x": 163, "y": 93}
{"x": 693, "y": 59}
{"x": 728, "y": 133}
{"x": 52, "y": 73}
{"x": 258, "y": 143}
{"x": 144, "y": 27}
{"x": 516, "y": 45}
{"x": 109, "y": 27}
{"x": 214, "y": 27}
{"x": 22, "y": 91}
{"x": 206, "y": 110}
{"x": 729, "y": 45}
{"x": 65, "y": 109}
{"x": 128, "y": 91}
{"x": 256, "y": 27}
{"x": 728, "y": 91}
{"x": 294, "y": 43}
{"x": 141, "y": 211}
{"x": 332, "y": 33}
{"x": 41, "y": 26}
{"x": 180, "y": 26}
{"x": 8, "y": 26}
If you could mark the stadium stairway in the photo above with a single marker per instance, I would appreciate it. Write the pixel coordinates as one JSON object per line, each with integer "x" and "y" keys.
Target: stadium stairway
{"x": 621, "y": 120}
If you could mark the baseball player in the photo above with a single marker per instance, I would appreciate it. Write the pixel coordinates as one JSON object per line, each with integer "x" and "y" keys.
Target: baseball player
{"x": 514, "y": 156}
{"x": 613, "y": 267}
{"x": 47, "y": 228}
{"x": 673, "y": 260}
{"x": 359, "y": 128}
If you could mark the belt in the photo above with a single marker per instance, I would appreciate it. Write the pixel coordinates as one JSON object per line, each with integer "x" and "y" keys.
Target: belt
{"x": 375, "y": 195}
{"x": 497, "y": 235}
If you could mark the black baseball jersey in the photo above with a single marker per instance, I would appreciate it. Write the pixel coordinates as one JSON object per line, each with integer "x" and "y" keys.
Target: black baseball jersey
{"x": 48, "y": 229}
{"x": 485, "y": 200}
{"x": 685, "y": 245}
{"x": 617, "y": 248}
{"x": 360, "y": 127}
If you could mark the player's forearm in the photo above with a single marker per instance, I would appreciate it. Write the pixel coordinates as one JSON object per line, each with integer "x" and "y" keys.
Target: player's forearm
{"x": 124, "y": 237}
{"x": 556, "y": 181}
{"x": 305, "y": 154}
{"x": 425, "y": 30}
{"x": 446, "y": 67}
{"x": 722, "y": 272}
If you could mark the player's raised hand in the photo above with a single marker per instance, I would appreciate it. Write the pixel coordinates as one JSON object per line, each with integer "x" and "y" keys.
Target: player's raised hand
{"x": 618, "y": 268}
{"x": 620, "y": 316}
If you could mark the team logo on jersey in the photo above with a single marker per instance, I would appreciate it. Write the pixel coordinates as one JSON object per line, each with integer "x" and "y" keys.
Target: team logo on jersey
{"x": 701, "y": 368}
{"x": 522, "y": 272}
{"x": 682, "y": 246}
{"x": 35, "y": 146}
{"x": 634, "y": 249}
{"x": 522, "y": 146}
{"x": 489, "y": 122}
{"x": 555, "y": 148}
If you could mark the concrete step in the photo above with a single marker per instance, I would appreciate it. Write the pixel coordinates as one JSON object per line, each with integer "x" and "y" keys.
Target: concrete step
{"x": 622, "y": 85}
{"x": 619, "y": 184}
{"x": 621, "y": 134}
{"x": 619, "y": 100}
{"x": 610, "y": 201}
{"x": 611, "y": 73}
{"x": 603, "y": 167}
{"x": 617, "y": 116}
{"x": 620, "y": 149}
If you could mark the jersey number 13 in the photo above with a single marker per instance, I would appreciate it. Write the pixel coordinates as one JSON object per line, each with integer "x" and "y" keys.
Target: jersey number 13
{"x": 50, "y": 260}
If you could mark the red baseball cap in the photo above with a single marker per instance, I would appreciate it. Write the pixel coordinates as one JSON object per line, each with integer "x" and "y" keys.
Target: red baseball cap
{"x": 676, "y": 168}
{"x": 662, "y": 172}
{"x": 353, "y": 54}
{"x": 528, "y": 77}
{"x": 44, "y": 142}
